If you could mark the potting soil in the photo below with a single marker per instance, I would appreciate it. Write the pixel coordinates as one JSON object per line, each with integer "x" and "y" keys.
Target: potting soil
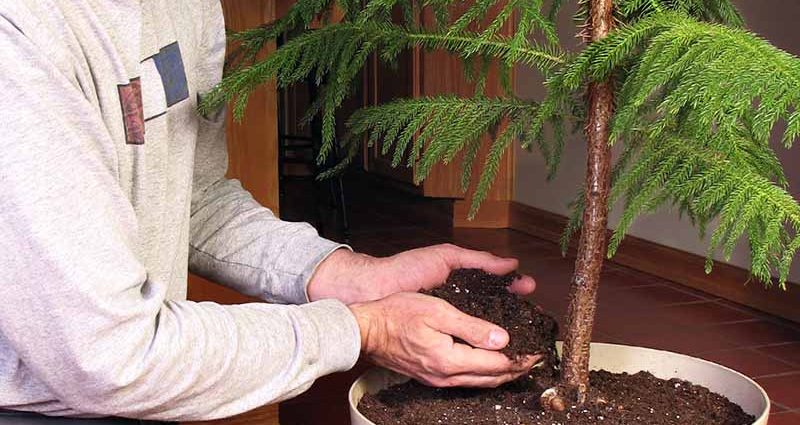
{"x": 614, "y": 399}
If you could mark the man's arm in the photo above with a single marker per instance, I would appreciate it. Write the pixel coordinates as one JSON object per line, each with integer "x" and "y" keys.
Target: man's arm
{"x": 241, "y": 244}
{"x": 234, "y": 240}
{"x": 82, "y": 314}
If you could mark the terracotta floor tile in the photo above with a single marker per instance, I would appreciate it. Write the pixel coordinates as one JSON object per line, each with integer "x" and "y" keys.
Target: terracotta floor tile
{"x": 549, "y": 292}
{"x": 552, "y": 273}
{"x": 498, "y": 239}
{"x": 683, "y": 341}
{"x": 527, "y": 254}
{"x": 786, "y": 352}
{"x": 759, "y": 332}
{"x": 645, "y": 297}
{"x": 706, "y": 313}
{"x": 610, "y": 288}
{"x": 777, "y": 407}
{"x": 749, "y": 362}
{"x": 620, "y": 320}
{"x": 785, "y": 418}
{"x": 534, "y": 259}
{"x": 621, "y": 277}
{"x": 554, "y": 304}
{"x": 783, "y": 389}
{"x": 688, "y": 292}
{"x": 607, "y": 338}
{"x": 560, "y": 313}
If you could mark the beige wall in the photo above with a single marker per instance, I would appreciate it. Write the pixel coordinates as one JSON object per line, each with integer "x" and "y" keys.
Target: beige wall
{"x": 772, "y": 19}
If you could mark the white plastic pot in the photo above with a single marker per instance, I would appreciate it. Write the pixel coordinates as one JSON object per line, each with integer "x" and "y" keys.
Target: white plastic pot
{"x": 620, "y": 358}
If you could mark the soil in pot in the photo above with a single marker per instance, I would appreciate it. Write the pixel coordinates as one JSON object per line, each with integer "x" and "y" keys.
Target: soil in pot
{"x": 618, "y": 399}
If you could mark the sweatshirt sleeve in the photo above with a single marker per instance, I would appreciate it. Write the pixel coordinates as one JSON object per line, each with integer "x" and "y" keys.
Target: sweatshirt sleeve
{"x": 234, "y": 240}
{"x": 81, "y": 312}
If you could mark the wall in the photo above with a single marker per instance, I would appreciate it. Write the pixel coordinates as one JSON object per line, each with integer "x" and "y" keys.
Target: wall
{"x": 773, "y": 20}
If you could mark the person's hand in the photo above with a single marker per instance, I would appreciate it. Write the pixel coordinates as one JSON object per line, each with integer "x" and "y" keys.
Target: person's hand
{"x": 351, "y": 277}
{"x": 413, "y": 334}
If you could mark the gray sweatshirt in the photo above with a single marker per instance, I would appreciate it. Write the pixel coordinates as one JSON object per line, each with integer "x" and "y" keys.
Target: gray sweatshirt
{"x": 111, "y": 187}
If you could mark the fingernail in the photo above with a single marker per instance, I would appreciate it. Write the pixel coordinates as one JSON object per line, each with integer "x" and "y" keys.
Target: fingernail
{"x": 497, "y": 338}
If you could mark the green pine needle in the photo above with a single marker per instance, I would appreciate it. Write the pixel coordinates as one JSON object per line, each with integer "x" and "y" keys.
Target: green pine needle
{"x": 698, "y": 98}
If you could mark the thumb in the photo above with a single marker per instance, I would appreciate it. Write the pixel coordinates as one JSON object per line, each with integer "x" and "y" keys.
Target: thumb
{"x": 476, "y": 332}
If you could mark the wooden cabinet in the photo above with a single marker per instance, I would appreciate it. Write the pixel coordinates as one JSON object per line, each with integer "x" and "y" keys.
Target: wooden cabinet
{"x": 423, "y": 73}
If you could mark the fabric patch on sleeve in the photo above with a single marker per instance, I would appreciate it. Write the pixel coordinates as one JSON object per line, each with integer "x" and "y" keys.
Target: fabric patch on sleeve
{"x": 130, "y": 99}
{"x": 173, "y": 75}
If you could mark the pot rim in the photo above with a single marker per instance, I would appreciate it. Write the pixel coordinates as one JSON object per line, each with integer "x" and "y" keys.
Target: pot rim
{"x": 761, "y": 417}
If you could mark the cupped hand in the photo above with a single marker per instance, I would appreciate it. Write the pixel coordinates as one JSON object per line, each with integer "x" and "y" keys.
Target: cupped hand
{"x": 413, "y": 334}
{"x": 353, "y": 277}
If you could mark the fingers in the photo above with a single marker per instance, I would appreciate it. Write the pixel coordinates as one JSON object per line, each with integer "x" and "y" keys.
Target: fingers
{"x": 474, "y": 381}
{"x": 523, "y": 285}
{"x": 456, "y": 257}
{"x": 476, "y": 361}
{"x": 413, "y": 334}
{"x": 473, "y": 367}
{"x": 476, "y": 332}
{"x": 462, "y": 258}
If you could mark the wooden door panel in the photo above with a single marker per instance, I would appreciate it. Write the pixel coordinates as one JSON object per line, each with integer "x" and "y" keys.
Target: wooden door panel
{"x": 432, "y": 73}
{"x": 253, "y": 143}
{"x": 386, "y": 83}
{"x": 443, "y": 73}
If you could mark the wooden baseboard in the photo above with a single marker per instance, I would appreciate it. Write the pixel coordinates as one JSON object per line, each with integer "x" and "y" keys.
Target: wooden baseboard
{"x": 492, "y": 215}
{"x": 725, "y": 281}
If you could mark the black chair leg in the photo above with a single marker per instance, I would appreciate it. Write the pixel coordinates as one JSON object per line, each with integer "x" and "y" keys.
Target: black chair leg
{"x": 343, "y": 211}
{"x": 320, "y": 215}
{"x": 338, "y": 202}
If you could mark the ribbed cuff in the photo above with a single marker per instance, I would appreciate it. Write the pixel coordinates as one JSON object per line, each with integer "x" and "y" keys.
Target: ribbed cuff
{"x": 301, "y": 261}
{"x": 339, "y": 337}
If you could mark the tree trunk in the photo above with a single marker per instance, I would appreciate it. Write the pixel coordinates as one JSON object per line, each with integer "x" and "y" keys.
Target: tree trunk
{"x": 593, "y": 241}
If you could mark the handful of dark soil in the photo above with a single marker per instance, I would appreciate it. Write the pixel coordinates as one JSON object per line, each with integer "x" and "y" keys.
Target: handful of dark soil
{"x": 616, "y": 399}
{"x": 486, "y": 296}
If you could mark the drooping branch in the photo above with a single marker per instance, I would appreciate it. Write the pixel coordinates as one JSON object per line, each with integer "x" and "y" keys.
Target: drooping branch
{"x": 684, "y": 69}
{"x": 700, "y": 87}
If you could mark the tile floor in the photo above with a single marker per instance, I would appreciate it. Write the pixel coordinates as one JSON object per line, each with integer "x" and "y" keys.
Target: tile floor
{"x": 635, "y": 309}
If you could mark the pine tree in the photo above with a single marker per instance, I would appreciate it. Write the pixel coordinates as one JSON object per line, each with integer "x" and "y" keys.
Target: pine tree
{"x": 692, "y": 97}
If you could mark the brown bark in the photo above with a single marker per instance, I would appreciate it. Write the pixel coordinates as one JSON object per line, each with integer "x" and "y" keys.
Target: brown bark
{"x": 593, "y": 241}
